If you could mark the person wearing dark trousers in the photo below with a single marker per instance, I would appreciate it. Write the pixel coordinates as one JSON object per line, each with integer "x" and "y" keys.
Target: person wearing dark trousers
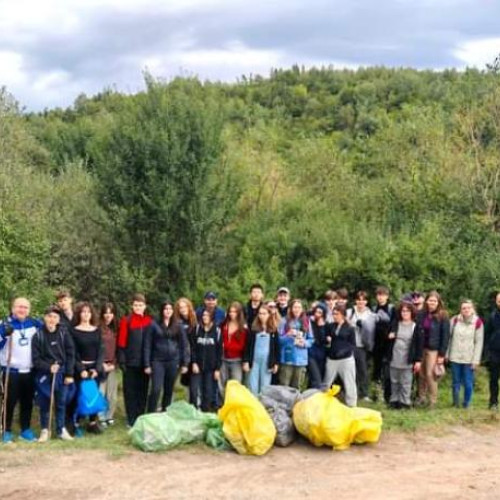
{"x": 206, "y": 360}
{"x": 53, "y": 354}
{"x": 385, "y": 312}
{"x": 492, "y": 351}
{"x": 316, "y": 358}
{"x": 89, "y": 356}
{"x": 363, "y": 320}
{"x": 133, "y": 328}
{"x": 16, "y": 333}
{"x": 166, "y": 350}
{"x": 185, "y": 315}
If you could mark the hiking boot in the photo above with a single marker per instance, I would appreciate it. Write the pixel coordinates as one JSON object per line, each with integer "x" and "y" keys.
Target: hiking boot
{"x": 28, "y": 435}
{"x": 7, "y": 437}
{"x": 44, "y": 436}
{"x": 65, "y": 435}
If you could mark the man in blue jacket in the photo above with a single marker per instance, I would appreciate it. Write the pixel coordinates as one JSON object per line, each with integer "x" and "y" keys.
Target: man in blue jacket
{"x": 16, "y": 332}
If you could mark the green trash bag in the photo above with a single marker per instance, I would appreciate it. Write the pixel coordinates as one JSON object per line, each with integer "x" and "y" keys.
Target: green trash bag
{"x": 181, "y": 424}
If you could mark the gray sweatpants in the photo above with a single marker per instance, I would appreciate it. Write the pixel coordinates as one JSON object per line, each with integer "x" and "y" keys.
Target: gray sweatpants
{"x": 401, "y": 380}
{"x": 346, "y": 370}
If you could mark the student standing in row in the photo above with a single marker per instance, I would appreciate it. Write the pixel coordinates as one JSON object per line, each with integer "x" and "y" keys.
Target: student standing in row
{"x": 405, "y": 356}
{"x": 464, "y": 351}
{"x": 254, "y": 303}
{"x": 53, "y": 358}
{"x": 364, "y": 322}
{"x": 206, "y": 360}
{"x": 316, "y": 357}
{"x": 234, "y": 337}
{"x": 493, "y": 352}
{"x": 166, "y": 351}
{"x": 340, "y": 356}
{"x": 133, "y": 329}
{"x": 282, "y": 300}
{"x": 295, "y": 339}
{"x": 261, "y": 356}
{"x": 16, "y": 333}
{"x": 434, "y": 322}
{"x": 89, "y": 355}
{"x": 109, "y": 379}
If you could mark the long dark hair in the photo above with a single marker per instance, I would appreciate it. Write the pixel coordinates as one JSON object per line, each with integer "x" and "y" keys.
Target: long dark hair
{"x": 240, "y": 318}
{"x": 78, "y": 313}
{"x": 108, "y": 306}
{"x": 441, "y": 312}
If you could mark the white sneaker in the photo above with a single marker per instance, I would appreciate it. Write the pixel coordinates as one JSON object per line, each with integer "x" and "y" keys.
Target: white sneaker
{"x": 65, "y": 435}
{"x": 44, "y": 436}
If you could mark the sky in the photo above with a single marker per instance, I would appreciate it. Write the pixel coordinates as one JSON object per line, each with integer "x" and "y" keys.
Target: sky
{"x": 53, "y": 50}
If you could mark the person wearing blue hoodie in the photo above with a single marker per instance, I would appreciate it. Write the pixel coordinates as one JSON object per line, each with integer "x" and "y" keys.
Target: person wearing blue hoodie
{"x": 295, "y": 339}
{"x": 16, "y": 332}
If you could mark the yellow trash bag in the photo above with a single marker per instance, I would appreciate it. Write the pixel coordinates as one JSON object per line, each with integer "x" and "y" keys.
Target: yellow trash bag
{"x": 324, "y": 420}
{"x": 245, "y": 422}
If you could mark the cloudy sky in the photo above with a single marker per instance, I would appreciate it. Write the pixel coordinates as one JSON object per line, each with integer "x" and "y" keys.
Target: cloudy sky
{"x": 52, "y": 50}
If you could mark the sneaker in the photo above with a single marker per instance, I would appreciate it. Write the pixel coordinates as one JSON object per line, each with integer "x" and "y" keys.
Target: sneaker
{"x": 28, "y": 435}
{"x": 44, "y": 436}
{"x": 7, "y": 437}
{"x": 494, "y": 407}
{"x": 366, "y": 399}
{"x": 78, "y": 432}
{"x": 110, "y": 422}
{"x": 65, "y": 435}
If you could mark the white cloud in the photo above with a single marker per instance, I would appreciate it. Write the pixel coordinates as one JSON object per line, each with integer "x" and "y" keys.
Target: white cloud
{"x": 478, "y": 53}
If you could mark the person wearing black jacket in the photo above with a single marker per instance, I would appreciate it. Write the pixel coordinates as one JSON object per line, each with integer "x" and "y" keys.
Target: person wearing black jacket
{"x": 492, "y": 344}
{"x": 340, "y": 356}
{"x": 89, "y": 356}
{"x": 253, "y": 305}
{"x": 206, "y": 360}
{"x": 261, "y": 355}
{"x": 316, "y": 358}
{"x": 53, "y": 356}
{"x": 435, "y": 325}
{"x": 405, "y": 355}
{"x": 166, "y": 350}
{"x": 386, "y": 314}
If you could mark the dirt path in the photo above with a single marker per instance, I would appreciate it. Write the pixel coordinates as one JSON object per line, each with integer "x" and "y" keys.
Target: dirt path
{"x": 464, "y": 464}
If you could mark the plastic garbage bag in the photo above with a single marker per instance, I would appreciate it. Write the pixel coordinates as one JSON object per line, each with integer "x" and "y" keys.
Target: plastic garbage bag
{"x": 324, "y": 420}
{"x": 90, "y": 399}
{"x": 284, "y": 395}
{"x": 285, "y": 430}
{"x": 181, "y": 424}
{"x": 246, "y": 423}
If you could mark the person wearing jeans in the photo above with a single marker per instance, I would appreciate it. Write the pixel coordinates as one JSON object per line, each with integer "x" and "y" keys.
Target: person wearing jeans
{"x": 435, "y": 325}
{"x": 261, "y": 355}
{"x": 464, "y": 351}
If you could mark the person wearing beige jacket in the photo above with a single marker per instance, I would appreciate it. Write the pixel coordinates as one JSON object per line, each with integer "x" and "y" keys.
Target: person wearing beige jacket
{"x": 464, "y": 351}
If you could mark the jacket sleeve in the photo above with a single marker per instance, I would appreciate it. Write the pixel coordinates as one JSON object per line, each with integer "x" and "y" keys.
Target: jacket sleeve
{"x": 277, "y": 348}
{"x": 309, "y": 338}
{"x": 444, "y": 336}
{"x": 478, "y": 343}
{"x": 147, "y": 346}
{"x": 40, "y": 364}
{"x": 218, "y": 350}
{"x": 351, "y": 336}
{"x": 69, "y": 349}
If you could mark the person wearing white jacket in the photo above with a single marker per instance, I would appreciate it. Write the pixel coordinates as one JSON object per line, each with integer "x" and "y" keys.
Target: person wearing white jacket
{"x": 464, "y": 351}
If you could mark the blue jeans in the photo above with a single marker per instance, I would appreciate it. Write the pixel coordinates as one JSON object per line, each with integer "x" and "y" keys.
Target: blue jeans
{"x": 462, "y": 375}
{"x": 60, "y": 391}
{"x": 260, "y": 376}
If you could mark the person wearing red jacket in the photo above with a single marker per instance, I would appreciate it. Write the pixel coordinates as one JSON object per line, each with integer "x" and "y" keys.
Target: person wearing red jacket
{"x": 131, "y": 333}
{"x": 234, "y": 337}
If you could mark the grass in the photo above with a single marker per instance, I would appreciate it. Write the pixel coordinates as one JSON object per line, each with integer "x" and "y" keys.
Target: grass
{"x": 115, "y": 442}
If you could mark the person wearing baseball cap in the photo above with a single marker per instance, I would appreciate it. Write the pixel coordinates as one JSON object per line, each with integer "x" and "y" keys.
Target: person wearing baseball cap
{"x": 210, "y": 305}
{"x": 282, "y": 298}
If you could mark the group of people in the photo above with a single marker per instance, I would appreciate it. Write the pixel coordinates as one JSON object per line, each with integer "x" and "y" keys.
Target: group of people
{"x": 277, "y": 341}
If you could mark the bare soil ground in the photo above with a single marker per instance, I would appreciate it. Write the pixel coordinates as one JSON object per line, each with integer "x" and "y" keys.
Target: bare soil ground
{"x": 464, "y": 463}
